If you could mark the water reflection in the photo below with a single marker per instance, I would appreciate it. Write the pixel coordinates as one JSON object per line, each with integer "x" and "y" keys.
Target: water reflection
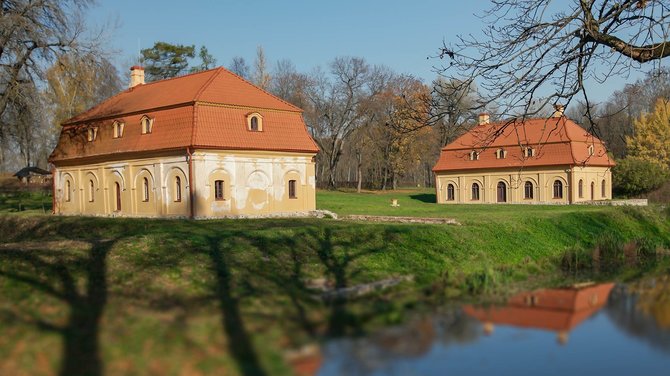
{"x": 556, "y": 310}
{"x": 581, "y": 329}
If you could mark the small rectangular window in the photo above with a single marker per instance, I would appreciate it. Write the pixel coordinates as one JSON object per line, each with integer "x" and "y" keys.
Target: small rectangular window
{"x": 218, "y": 190}
{"x": 291, "y": 189}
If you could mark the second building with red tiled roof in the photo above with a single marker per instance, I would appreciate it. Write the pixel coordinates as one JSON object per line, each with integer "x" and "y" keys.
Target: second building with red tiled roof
{"x": 208, "y": 144}
{"x": 551, "y": 160}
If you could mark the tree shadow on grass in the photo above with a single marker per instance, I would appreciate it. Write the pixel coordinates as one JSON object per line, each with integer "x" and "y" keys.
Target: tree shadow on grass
{"x": 55, "y": 273}
{"x": 429, "y": 198}
{"x": 239, "y": 342}
{"x": 335, "y": 254}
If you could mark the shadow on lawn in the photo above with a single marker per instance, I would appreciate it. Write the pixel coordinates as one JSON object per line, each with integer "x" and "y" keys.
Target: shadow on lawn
{"x": 429, "y": 198}
{"x": 271, "y": 268}
{"x": 54, "y": 273}
{"x": 260, "y": 275}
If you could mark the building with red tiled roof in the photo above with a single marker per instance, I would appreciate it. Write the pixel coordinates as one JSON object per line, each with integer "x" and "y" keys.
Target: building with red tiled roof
{"x": 207, "y": 144}
{"x": 551, "y": 160}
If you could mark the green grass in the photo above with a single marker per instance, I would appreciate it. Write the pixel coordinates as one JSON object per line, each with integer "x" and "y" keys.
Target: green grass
{"x": 140, "y": 296}
{"x": 29, "y": 201}
{"x": 421, "y": 203}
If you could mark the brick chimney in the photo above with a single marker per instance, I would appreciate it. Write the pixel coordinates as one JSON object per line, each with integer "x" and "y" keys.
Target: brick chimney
{"x": 559, "y": 110}
{"x": 484, "y": 118}
{"x": 136, "y": 75}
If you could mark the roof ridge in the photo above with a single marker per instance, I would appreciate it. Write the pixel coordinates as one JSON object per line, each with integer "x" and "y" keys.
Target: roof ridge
{"x": 207, "y": 83}
{"x": 196, "y": 98}
{"x": 174, "y": 78}
{"x": 261, "y": 89}
{"x": 567, "y": 134}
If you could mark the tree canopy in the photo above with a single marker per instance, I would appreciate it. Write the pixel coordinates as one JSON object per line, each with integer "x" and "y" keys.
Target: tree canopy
{"x": 537, "y": 52}
{"x": 165, "y": 60}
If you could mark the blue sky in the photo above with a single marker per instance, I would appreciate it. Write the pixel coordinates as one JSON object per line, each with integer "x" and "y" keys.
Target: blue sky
{"x": 399, "y": 34}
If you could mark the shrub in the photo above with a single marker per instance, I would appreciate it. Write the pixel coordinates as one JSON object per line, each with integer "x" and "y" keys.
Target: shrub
{"x": 634, "y": 176}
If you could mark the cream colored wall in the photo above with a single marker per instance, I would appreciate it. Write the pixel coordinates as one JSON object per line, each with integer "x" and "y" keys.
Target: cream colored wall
{"x": 595, "y": 175}
{"x": 130, "y": 174}
{"x": 514, "y": 179}
{"x": 255, "y": 183}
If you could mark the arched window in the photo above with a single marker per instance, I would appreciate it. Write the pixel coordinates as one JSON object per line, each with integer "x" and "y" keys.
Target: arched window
{"x": 591, "y": 150}
{"x": 145, "y": 189}
{"x": 450, "y": 192}
{"x": 177, "y": 189}
{"x": 528, "y": 190}
{"x": 291, "y": 189}
{"x": 92, "y": 134}
{"x": 91, "y": 191}
{"x": 475, "y": 192}
{"x": 147, "y": 124}
{"x": 529, "y": 151}
{"x": 218, "y": 190}
{"x": 255, "y": 122}
{"x": 558, "y": 189}
{"x": 474, "y": 155}
{"x": 68, "y": 194}
{"x": 603, "y": 189}
{"x": 117, "y": 195}
{"x": 501, "y": 154}
{"x": 118, "y": 129}
{"x": 580, "y": 188}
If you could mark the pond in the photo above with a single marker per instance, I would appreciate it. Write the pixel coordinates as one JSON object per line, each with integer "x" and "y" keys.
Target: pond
{"x": 605, "y": 328}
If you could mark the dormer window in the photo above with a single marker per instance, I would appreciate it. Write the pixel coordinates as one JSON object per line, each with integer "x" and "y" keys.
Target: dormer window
{"x": 591, "y": 150}
{"x": 474, "y": 155}
{"x": 118, "y": 129}
{"x": 147, "y": 124}
{"x": 92, "y": 134}
{"x": 529, "y": 152}
{"x": 255, "y": 122}
{"x": 501, "y": 153}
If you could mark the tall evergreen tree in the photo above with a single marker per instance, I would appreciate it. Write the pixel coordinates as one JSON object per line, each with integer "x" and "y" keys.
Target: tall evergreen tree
{"x": 165, "y": 60}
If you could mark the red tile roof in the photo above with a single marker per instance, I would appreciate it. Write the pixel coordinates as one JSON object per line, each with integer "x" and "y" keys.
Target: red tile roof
{"x": 204, "y": 109}
{"x": 556, "y": 141}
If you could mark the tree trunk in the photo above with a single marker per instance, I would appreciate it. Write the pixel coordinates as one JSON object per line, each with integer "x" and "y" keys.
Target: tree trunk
{"x": 359, "y": 170}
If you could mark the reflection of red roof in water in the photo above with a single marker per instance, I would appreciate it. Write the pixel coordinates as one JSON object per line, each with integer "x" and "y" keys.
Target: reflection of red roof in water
{"x": 306, "y": 361}
{"x": 550, "y": 309}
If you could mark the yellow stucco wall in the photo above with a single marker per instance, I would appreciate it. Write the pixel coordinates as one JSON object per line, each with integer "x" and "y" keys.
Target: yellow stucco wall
{"x": 514, "y": 180}
{"x": 255, "y": 183}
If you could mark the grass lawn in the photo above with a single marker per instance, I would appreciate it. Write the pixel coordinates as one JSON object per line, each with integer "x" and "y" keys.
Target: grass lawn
{"x": 421, "y": 203}
{"x": 168, "y": 297}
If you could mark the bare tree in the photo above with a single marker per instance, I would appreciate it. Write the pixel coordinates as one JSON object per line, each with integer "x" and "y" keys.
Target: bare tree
{"x": 239, "y": 66}
{"x": 538, "y": 52}
{"x": 290, "y": 85}
{"x": 261, "y": 75}
{"x": 32, "y": 33}
{"x": 454, "y": 105}
{"x": 336, "y": 105}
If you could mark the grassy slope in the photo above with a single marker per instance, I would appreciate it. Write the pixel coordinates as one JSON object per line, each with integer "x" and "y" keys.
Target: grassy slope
{"x": 171, "y": 296}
